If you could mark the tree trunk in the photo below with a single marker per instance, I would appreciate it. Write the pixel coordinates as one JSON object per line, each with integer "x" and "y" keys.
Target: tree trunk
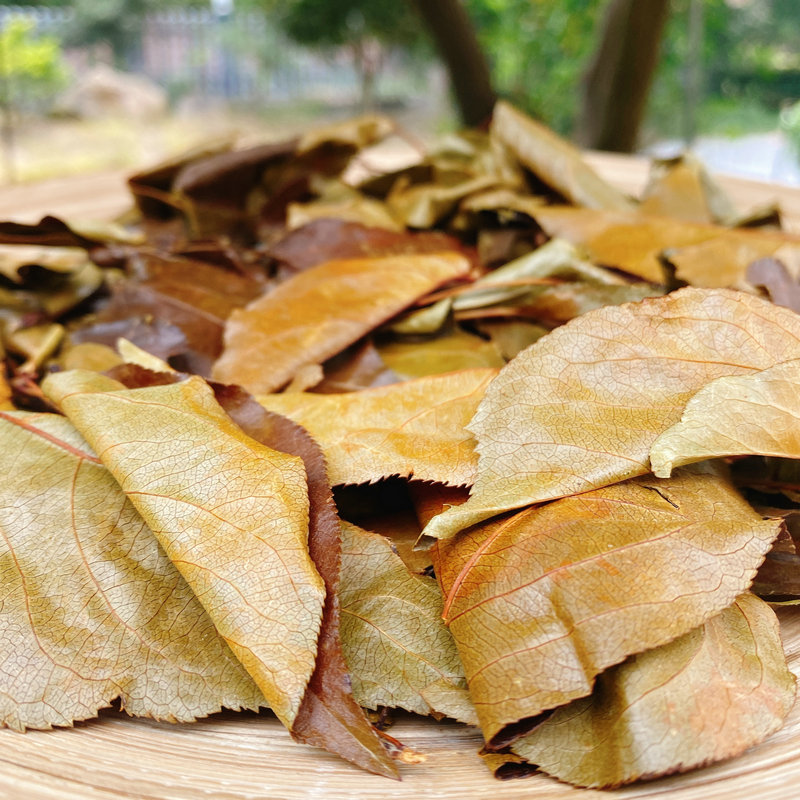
{"x": 454, "y": 35}
{"x": 617, "y": 81}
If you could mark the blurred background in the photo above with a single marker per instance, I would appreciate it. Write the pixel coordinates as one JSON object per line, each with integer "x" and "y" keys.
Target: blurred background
{"x": 93, "y": 85}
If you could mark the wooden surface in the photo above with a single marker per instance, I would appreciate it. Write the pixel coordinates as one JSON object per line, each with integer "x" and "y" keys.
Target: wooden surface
{"x": 251, "y": 757}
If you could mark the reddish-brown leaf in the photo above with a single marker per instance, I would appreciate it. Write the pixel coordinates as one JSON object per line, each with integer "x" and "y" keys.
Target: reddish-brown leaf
{"x": 328, "y": 716}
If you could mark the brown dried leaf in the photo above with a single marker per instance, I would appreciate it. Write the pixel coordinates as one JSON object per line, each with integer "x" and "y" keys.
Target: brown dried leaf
{"x": 553, "y": 160}
{"x": 230, "y": 513}
{"x": 395, "y": 642}
{"x": 704, "y": 255}
{"x": 754, "y": 414}
{"x": 358, "y": 367}
{"x": 541, "y": 602}
{"x": 319, "y": 312}
{"x": 705, "y": 697}
{"x": 330, "y": 239}
{"x": 216, "y": 192}
{"x": 328, "y": 716}
{"x": 772, "y": 274}
{"x": 582, "y": 407}
{"x": 92, "y": 608}
{"x": 778, "y": 577}
{"x": 409, "y": 429}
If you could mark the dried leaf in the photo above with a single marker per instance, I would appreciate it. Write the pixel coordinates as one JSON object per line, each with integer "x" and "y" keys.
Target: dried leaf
{"x": 457, "y": 350}
{"x": 230, "y": 513}
{"x": 5, "y": 393}
{"x": 704, "y": 255}
{"x": 541, "y": 602}
{"x": 358, "y": 367}
{"x": 51, "y": 232}
{"x": 216, "y": 192}
{"x": 331, "y": 239}
{"x": 554, "y": 160}
{"x": 358, "y": 209}
{"x": 36, "y": 344}
{"x": 319, "y": 312}
{"x": 88, "y": 355}
{"x": 395, "y": 642}
{"x": 682, "y": 188}
{"x": 705, "y": 697}
{"x": 92, "y": 608}
{"x": 783, "y": 289}
{"x": 555, "y": 305}
{"x": 408, "y": 429}
{"x": 754, "y": 414}
{"x": 511, "y": 336}
{"x": 402, "y": 528}
{"x": 151, "y": 188}
{"x": 161, "y": 339}
{"x": 582, "y": 407}
{"x": 424, "y": 205}
{"x": 328, "y": 716}
{"x": 557, "y": 258}
{"x": 778, "y": 577}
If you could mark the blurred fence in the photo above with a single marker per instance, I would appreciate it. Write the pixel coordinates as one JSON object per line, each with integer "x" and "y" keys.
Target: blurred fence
{"x": 242, "y": 58}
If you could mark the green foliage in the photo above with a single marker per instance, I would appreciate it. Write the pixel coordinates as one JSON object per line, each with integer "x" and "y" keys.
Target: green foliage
{"x": 32, "y": 70}
{"x": 790, "y": 122}
{"x": 538, "y": 50}
{"x": 115, "y": 22}
{"x": 336, "y": 22}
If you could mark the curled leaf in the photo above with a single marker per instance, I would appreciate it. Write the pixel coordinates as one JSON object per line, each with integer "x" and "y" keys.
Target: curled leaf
{"x": 582, "y": 407}
{"x": 541, "y": 602}
{"x": 230, "y": 513}
{"x": 755, "y": 414}
{"x": 91, "y": 607}
{"x": 554, "y": 160}
{"x": 707, "y": 696}
{"x": 329, "y": 716}
{"x": 408, "y": 429}
{"x": 319, "y": 312}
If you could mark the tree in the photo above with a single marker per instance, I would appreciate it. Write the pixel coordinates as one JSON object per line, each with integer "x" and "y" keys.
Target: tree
{"x": 619, "y": 77}
{"x": 452, "y": 30}
{"x": 361, "y": 25}
{"x": 31, "y": 72}
{"x": 537, "y": 51}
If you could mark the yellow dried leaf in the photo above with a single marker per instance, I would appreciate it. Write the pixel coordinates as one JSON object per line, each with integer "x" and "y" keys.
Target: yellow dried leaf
{"x": 541, "y": 602}
{"x": 755, "y": 414}
{"x": 582, "y": 407}
{"x": 319, "y": 312}
{"x": 413, "y": 429}
{"x": 398, "y": 649}
{"x": 91, "y": 608}
{"x": 707, "y": 696}
{"x": 704, "y": 255}
{"x": 451, "y": 352}
{"x": 231, "y": 514}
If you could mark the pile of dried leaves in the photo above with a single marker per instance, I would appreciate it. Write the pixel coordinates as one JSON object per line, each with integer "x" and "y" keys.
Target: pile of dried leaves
{"x": 488, "y": 352}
